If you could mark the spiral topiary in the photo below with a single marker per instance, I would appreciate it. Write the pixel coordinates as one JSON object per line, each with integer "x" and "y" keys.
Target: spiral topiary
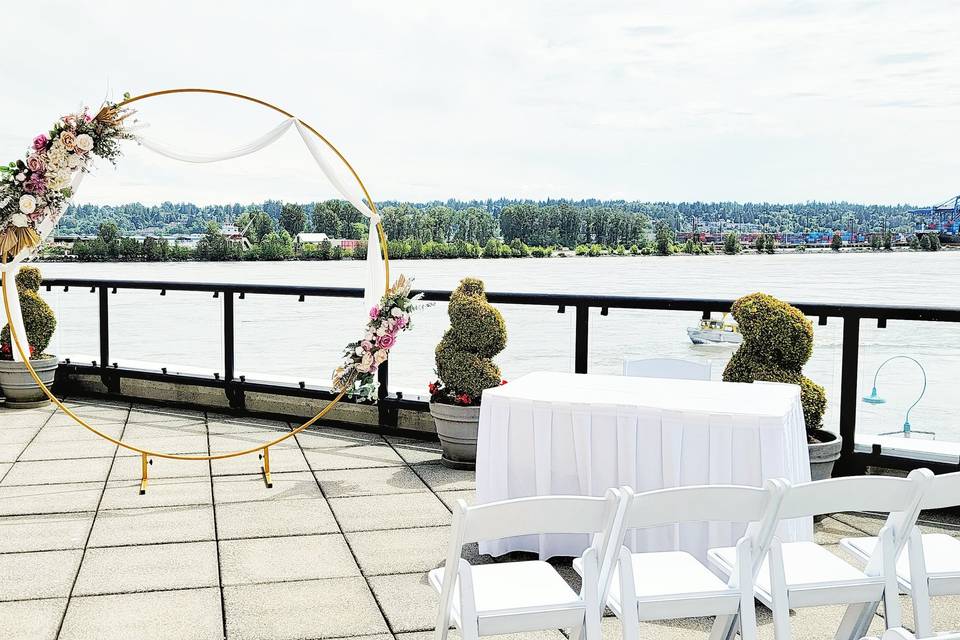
{"x": 38, "y": 317}
{"x": 777, "y": 342}
{"x": 477, "y": 333}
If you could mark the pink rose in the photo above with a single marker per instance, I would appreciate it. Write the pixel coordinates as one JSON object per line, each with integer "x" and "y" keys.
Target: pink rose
{"x": 40, "y": 142}
{"x": 374, "y": 312}
{"x": 386, "y": 341}
{"x": 35, "y": 163}
{"x": 401, "y": 322}
{"x": 366, "y": 345}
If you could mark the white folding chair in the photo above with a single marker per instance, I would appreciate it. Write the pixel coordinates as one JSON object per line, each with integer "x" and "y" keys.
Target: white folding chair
{"x": 804, "y": 574}
{"x": 930, "y": 566}
{"x": 674, "y": 584}
{"x": 900, "y": 633}
{"x": 514, "y": 597}
{"x": 666, "y": 368}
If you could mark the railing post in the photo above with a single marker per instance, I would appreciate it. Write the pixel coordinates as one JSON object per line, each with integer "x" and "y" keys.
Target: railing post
{"x": 387, "y": 416}
{"x": 581, "y": 339}
{"x": 228, "y": 343}
{"x": 850, "y": 354}
{"x": 104, "y": 328}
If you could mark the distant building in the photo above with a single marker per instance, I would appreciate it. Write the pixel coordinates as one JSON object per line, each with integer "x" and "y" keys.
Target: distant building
{"x": 318, "y": 238}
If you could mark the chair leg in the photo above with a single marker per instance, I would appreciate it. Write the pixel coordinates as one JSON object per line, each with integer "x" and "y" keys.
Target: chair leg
{"x": 919, "y": 586}
{"x": 748, "y": 611}
{"x": 891, "y": 590}
{"x": 779, "y": 594}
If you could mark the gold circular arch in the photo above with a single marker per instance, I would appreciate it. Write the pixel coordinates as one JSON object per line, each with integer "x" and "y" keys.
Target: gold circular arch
{"x": 264, "y": 449}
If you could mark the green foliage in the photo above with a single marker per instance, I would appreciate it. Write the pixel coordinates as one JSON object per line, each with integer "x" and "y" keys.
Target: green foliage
{"x": 777, "y": 342}
{"x": 108, "y": 232}
{"x": 293, "y": 219}
{"x": 38, "y": 317}
{"x": 664, "y": 238}
{"x": 836, "y": 243}
{"x": 888, "y": 241}
{"x": 477, "y": 333}
{"x": 914, "y": 243}
{"x": 278, "y": 246}
{"x": 257, "y": 224}
{"x": 731, "y": 244}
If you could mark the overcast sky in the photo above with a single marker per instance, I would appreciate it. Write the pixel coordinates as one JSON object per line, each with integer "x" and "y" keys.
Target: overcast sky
{"x": 777, "y": 101}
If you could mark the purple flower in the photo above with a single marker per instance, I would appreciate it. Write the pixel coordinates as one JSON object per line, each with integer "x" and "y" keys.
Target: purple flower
{"x": 40, "y": 142}
{"x": 374, "y": 312}
{"x": 35, "y": 184}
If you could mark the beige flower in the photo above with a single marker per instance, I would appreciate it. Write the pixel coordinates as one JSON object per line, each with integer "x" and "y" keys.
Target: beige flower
{"x": 19, "y": 220}
{"x": 380, "y": 356}
{"x": 84, "y": 142}
{"x": 28, "y": 204}
{"x": 68, "y": 139}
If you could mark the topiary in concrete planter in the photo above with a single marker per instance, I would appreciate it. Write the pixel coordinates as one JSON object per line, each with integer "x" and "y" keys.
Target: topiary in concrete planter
{"x": 18, "y": 386}
{"x": 777, "y": 342}
{"x": 465, "y": 367}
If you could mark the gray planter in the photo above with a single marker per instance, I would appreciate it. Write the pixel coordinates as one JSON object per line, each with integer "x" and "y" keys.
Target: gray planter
{"x": 823, "y": 453}
{"x": 18, "y": 386}
{"x": 457, "y": 429}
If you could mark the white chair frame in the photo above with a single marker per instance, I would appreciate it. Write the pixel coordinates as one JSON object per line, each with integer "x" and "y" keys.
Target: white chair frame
{"x": 528, "y": 516}
{"x": 674, "y": 368}
{"x": 898, "y": 497}
{"x": 713, "y": 503}
{"x": 916, "y": 579}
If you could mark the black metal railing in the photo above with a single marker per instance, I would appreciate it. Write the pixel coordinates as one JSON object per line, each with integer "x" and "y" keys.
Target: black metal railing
{"x": 235, "y": 387}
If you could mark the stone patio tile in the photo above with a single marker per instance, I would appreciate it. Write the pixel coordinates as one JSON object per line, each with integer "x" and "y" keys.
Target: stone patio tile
{"x": 352, "y": 457}
{"x": 193, "y": 614}
{"x": 179, "y": 444}
{"x": 292, "y": 558}
{"x": 945, "y": 613}
{"x": 274, "y": 518}
{"x": 128, "y": 468}
{"x": 830, "y": 531}
{"x": 59, "y": 450}
{"x": 367, "y": 482}
{"x": 153, "y": 567}
{"x": 283, "y": 459}
{"x": 865, "y": 523}
{"x": 161, "y": 492}
{"x": 441, "y": 478}
{"x": 399, "y": 550}
{"x": 33, "y": 619}
{"x": 415, "y": 451}
{"x": 19, "y": 419}
{"x": 151, "y": 525}
{"x": 10, "y": 453}
{"x": 240, "y": 441}
{"x": 50, "y": 498}
{"x": 250, "y": 488}
{"x": 76, "y": 433}
{"x": 408, "y": 601}
{"x": 811, "y": 623}
{"x": 46, "y": 532}
{"x": 327, "y": 437}
{"x": 450, "y": 497}
{"x": 454, "y": 634}
{"x": 297, "y": 610}
{"x": 58, "y": 471}
{"x": 62, "y": 422}
{"x": 228, "y": 425}
{"x": 38, "y": 574}
{"x": 369, "y": 513}
{"x": 160, "y": 430}
{"x": 16, "y": 435}
{"x": 168, "y": 419}
{"x": 4, "y": 468}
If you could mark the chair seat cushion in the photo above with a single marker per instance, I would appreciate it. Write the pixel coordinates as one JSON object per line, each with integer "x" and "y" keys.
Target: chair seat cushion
{"x": 509, "y": 586}
{"x": 659, "y": 575}
{"x": 804, "y": 563}
{"x": 940, "y": 552}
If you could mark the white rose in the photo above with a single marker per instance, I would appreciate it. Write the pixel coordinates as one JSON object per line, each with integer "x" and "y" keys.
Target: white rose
{"x": 19, "y": 220}
{"x": 84, "y": 142}
{"x": 381, "y": 331}
{"x": 396, "y": 312}
{"x": 21, "y": 177}
{"x": 28, "y": 204}
{"x": 359, "y": 351}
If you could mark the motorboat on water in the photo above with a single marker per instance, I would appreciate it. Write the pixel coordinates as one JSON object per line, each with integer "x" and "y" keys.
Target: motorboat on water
{"x": 715, "y": 331}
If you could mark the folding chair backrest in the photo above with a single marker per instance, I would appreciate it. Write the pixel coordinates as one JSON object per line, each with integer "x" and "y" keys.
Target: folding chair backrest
{"x": 547, "y": 514}
{"x": 713, "y": 503}
{"x": 943, "y": 492}
{"x": 666, "y": 368}
{"x": 855, "y": 493}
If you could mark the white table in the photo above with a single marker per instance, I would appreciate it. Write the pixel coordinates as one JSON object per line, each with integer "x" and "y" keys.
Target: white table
{"x": 561, "y": 433}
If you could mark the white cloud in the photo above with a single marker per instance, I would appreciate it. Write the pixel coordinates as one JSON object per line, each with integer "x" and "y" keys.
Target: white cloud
{"x": 659, "y": 101}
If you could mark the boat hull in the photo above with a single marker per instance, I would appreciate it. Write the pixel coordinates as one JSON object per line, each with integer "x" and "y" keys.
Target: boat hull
{"x": 708, "y": 336}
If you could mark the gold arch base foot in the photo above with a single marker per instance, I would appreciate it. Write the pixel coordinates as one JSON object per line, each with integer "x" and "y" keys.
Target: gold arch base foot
{"x": 143, "y": 472}
{"x": 265, "y": 468}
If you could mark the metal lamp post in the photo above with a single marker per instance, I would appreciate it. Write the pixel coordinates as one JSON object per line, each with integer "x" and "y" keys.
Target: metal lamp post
{"x": 873, "y": 398}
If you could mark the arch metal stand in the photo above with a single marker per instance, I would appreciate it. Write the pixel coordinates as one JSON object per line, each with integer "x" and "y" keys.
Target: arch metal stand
{"x": 147, "y": 455}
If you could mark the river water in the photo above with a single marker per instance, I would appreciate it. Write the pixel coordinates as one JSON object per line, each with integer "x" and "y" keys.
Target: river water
{"x": 281, "y": 338}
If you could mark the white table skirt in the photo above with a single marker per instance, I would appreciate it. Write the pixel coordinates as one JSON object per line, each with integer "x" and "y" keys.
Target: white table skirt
{"x": 556, "y": 433}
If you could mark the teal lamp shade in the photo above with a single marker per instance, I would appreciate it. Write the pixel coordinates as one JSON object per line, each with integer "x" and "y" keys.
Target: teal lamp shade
{"x": 873, "y": 398}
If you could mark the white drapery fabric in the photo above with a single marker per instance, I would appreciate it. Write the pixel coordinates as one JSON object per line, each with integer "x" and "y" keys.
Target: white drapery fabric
{"x": 568, "y": 434}
{"x": 251, "y": 147}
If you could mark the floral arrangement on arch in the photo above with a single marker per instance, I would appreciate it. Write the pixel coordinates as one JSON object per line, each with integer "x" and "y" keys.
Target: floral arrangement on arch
{"x": 358, "y": 373}
{"x": 38, "y": 187}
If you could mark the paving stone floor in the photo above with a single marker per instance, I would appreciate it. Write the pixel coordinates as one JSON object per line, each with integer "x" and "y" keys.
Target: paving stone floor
{"x": 339, "y": 548}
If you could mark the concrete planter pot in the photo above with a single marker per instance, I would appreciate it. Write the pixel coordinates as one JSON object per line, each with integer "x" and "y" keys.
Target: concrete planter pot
{"x": 823, "y": 453}
{"x": 18, "y": 386}
{"x": 457, "y": 429}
